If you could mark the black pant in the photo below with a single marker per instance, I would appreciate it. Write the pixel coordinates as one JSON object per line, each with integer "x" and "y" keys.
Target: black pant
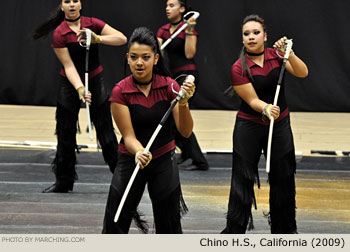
{"x": 162, "y": 178}
{"x": 249, "y": 140}
{"x": 68, "y": 107}
{"x": 189, "y": 146}
{"x": 190, "y": 149}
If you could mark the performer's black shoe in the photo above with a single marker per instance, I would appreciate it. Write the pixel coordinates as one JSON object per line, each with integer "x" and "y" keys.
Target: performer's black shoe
{"x": 194, "y": 167}
{"x": 181, "y": 159}
{"x": 59, "y": 188}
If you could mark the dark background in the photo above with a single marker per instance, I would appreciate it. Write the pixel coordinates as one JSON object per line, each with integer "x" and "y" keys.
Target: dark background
{"x": 319, "y": 28}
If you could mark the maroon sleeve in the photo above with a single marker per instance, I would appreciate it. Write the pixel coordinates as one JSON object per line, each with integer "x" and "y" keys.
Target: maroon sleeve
{"x": 280, "y": 61}
{"x": 176, "y": 87}
{"x": 117, "y": 95}
{"x": 237, "y": 77}
{"x": 160, "y": 32}
{"x": 273, "y": 54}
{"x": 58, "y": 40}
{"x": 98, "y": 25}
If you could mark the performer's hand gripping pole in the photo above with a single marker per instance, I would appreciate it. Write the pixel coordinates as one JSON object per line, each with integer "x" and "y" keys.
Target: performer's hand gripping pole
{"x": 289, "y": 44}
{"x": 194, "y": 15}
{"x": 180, "y": 96}
{"x": 88, "y": 43}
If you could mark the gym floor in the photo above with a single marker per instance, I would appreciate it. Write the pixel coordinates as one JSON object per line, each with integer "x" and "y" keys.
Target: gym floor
{"x": 322, "y": 182}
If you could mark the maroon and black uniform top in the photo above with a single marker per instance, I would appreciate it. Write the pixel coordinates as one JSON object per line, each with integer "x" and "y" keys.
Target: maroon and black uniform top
{"x": 176, "y": 49}
{"x": 63, "y": 36}
{"x": 147, "y": 112}
{"x": 264, "y": 81}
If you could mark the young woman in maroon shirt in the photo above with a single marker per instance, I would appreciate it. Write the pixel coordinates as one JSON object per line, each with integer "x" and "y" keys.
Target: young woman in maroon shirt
{"x": 180, "y": 53}
{"x": 254, "y": 78}
{"x": 68, "y": 27}
{"x": 138, "y": 104}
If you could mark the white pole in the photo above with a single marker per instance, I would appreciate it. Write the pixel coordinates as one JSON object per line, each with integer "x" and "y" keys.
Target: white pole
{"x": 133, "y": 176}
{"x": 88, "y": 43}
{"x": 289, "y": 44}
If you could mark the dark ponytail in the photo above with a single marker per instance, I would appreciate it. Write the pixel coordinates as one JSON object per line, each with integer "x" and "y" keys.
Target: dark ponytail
{"x": 255, "y": 18}
{"x": 51, "y": 24}
{"x": 144, "y": 36}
